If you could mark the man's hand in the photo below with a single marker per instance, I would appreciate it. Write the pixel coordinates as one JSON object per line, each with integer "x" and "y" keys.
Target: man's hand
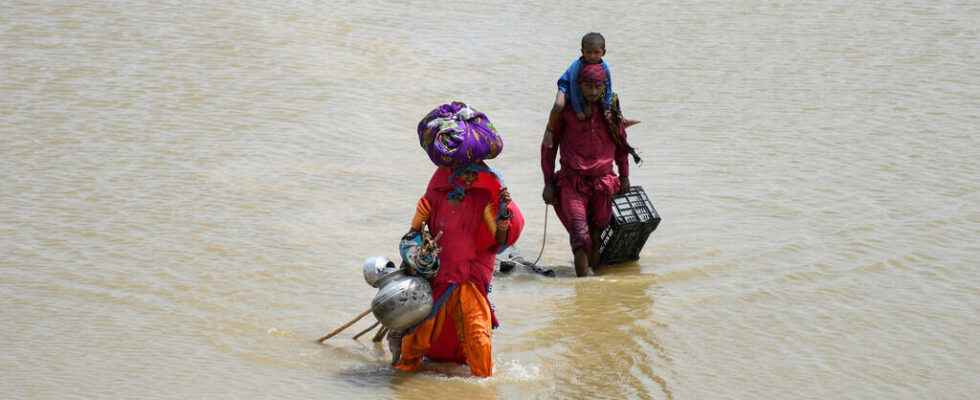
{"x": 624, "y": 184}
{"x": 548, "y": 194}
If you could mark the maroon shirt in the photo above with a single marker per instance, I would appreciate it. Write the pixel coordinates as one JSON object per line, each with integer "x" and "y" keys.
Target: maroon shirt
{"x": 586, "y": 147}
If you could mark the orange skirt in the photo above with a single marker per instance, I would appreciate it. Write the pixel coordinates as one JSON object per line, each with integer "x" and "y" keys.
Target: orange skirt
{"x": 459, "y": 332}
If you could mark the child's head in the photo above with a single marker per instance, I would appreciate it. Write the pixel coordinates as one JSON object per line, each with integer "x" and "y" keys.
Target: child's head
{"x": 593, "y": 47}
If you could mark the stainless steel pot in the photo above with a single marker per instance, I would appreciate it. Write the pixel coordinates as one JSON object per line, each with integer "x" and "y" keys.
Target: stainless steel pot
{"x": 376, "y": 268}
{"x": 402, "y": 301}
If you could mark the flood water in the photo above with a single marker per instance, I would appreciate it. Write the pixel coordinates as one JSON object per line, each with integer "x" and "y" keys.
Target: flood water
{"x": 187, "y": 191}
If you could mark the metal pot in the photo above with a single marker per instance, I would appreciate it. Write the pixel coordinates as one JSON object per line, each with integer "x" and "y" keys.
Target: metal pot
{"x": 402, "y": 301}
{"x": 376, "y": 268}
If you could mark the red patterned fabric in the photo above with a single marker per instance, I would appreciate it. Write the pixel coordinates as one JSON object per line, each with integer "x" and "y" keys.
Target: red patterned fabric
{"x": 592, "y": 73}
{"x": 466, "y": 264}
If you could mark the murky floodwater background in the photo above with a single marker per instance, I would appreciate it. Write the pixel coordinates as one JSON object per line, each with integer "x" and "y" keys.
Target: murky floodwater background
{"x": 187, "y": 191}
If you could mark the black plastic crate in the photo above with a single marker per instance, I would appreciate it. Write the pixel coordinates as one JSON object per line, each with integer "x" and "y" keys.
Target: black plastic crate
{"x": 633, "y": 219}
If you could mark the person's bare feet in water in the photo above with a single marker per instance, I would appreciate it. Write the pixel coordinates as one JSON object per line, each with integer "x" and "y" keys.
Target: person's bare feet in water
{"x": 582, "y": 264}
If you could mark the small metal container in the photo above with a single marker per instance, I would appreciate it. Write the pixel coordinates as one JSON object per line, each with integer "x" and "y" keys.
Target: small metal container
{"x": 376, "y": 268}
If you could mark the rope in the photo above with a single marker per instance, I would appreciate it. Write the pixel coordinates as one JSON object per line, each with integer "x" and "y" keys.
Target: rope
{"x": 544, "y": 236}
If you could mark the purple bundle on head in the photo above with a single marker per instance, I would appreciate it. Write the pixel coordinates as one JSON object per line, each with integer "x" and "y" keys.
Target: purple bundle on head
{"x": 455, "y": 134}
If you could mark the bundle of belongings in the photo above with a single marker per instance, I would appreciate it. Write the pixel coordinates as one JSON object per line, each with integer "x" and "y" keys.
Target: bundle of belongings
{"x": 454, "y": 134}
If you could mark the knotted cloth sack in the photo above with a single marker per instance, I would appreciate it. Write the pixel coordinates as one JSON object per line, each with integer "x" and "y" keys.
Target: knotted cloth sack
{"x": 454, "y": 134}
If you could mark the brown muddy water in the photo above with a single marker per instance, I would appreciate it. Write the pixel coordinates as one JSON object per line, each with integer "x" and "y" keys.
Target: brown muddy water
{"x": 187, "y": 191}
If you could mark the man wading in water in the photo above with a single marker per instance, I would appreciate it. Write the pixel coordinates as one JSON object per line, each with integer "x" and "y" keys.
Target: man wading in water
{"x": 582, "y": 190}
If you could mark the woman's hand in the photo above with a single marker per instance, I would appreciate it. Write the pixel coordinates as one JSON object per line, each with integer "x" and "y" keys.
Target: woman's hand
{"x": 503, "y": 231}
{"x": 504, "y": 196}
{"x": 503, "y": 218}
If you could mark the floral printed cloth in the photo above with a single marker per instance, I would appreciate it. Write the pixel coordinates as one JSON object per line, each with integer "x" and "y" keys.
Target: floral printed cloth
{"x": 455, "y": 134}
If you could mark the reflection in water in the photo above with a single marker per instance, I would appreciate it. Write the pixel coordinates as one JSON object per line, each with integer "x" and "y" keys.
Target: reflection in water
{"x": 608, "y": 347}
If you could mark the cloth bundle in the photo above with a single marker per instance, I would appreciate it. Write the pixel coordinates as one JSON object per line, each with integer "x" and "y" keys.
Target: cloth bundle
{"x": 454, "y": 134}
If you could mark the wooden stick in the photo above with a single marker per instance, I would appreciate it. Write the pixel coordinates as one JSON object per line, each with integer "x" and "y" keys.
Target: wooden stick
{"x": 336, "y": 331}
{"x": 375, "y": 325}
{"x": 380, "y": 335}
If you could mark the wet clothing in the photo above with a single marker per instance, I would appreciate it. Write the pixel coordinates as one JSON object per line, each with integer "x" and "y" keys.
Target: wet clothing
{"x": 586, "y": 181}
{"x": 459, "y": 332}
{"x": 568, "y": 84}
{"x": 584, "y": 204}
{"x": 466, "y": 263}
